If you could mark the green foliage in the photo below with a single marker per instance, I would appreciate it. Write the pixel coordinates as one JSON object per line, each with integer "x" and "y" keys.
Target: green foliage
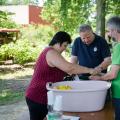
{"x": 37, "y": 34}
{"x": 29, "y": 46}
{"x": 68, "y": 14}
{"x": 21, "y": 52}
{"x": 2, "y": 2}
{"x": 19, "y": 2}
{"x": 6, "y": 51}
{"x": 112, "y": 7}
{"x": 7, "y": 96}
{"x": 5, "y": 20}
{"x": 24, "y": 51}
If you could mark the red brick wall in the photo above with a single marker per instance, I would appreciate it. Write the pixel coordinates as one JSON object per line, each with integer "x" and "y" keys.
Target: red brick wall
{"x": 34, "y": 15}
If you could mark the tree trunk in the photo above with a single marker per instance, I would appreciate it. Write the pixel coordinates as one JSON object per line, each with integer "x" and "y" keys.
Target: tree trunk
{"x": 100, "y": 23}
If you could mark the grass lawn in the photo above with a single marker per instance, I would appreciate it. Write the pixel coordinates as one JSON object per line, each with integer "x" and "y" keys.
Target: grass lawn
{"x": 13, "y": 84}
{"x": 8, "y": 97}
{"x": 16, "y": 74}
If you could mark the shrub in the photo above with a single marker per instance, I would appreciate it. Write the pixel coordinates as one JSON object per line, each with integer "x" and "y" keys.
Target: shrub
{"x": 28, "y": 47}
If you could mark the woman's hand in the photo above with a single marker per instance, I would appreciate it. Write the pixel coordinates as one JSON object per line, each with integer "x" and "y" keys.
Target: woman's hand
{"x": 95, "y": 77}
{"x": 93, "y": 72}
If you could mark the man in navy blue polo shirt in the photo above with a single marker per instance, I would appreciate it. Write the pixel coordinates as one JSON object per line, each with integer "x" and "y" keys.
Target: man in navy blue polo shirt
{"x": 90, "y": 50}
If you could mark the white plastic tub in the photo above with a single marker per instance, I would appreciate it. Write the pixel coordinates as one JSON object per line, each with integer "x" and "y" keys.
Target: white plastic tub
{"x": 85, "y": 96}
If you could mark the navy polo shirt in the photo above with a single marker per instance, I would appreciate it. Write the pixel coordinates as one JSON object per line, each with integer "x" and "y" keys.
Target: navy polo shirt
{"x": 91, "y": 55}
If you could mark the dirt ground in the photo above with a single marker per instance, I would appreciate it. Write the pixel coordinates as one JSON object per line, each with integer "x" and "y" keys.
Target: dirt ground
{"x": 17, "y": 110}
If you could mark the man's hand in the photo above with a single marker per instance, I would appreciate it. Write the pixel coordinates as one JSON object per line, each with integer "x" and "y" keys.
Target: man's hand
{"x": 93, "y": 72}
{"x": 98, "y": 69}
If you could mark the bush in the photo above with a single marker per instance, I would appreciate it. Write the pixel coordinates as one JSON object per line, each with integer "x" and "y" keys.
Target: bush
{"x": 29, "y": 46}
{"x": 6, "y": 51}
{"x": 38, "y": 34}
{"x": 6, "y": 21}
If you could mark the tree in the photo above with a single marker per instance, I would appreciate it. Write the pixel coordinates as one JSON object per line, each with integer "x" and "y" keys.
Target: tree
{"x": 2, "y": 2}
{"x": 105, "y": 8}
{"x": 100, "y": 22}
{"x": 68, "y": 14}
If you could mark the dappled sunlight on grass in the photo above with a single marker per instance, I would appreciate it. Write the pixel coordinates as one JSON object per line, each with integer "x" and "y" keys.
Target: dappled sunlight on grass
{"x": 13, "y": 84}
{"x": 17, "y": 74}
{"x": 4, "y": 93}
{"x": 8, "y": 96}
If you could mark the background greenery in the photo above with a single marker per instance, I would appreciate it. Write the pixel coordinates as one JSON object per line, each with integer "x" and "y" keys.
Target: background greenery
{"x": 6, "y": 21}
{"x": 64, "y": 15}
{"x": 27, "y": 48}
{"x": 69, "y": 14}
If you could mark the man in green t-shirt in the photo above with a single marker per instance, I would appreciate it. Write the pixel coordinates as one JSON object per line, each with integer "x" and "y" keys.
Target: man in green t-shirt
{"x": 113, "y": 26}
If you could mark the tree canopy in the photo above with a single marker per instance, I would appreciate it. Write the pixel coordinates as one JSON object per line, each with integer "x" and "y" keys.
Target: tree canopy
{"x": 69, "y": 14}
{"x": 19, "y": 2}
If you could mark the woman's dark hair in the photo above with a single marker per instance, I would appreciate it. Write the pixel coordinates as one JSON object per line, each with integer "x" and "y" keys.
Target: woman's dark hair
{"x": 60, "y": 37}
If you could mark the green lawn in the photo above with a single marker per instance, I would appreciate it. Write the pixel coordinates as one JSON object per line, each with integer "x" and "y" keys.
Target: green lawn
{"x": 12, "y": 87}
{"x": 8, "y": 97}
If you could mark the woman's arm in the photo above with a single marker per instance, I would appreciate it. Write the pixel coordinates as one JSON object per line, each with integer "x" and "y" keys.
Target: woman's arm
{"x": 54, "y": 59}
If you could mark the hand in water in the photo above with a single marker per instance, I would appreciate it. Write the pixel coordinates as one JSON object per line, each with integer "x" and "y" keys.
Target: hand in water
{"x": 94, "y": 72}
{"x": 95, "y": 77}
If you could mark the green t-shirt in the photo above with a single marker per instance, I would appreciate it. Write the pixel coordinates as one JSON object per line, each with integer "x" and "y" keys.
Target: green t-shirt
{"x": 116, "y": 81}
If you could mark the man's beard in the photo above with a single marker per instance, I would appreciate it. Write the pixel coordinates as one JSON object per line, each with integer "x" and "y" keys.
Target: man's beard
{"x": 112, "y": 38}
